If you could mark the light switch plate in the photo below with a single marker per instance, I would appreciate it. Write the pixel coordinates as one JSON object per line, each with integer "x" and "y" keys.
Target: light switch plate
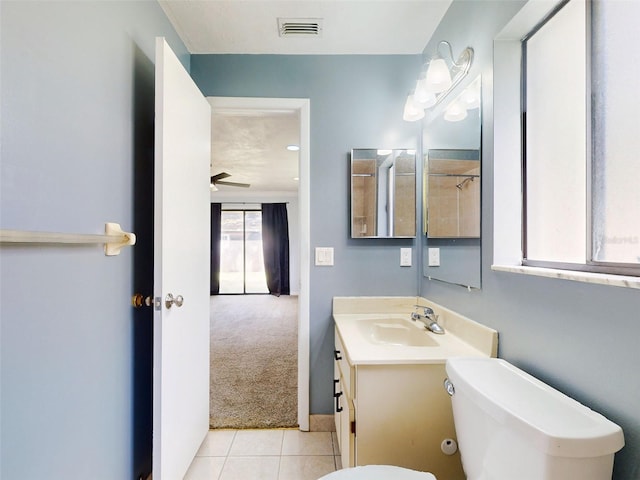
{"x": 434, "y": 257}
{"x": 405, "y": 257}
{"x": 324, "y": 256}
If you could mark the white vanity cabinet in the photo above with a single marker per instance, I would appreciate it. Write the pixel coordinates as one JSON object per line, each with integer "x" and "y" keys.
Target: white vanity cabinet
{"x": 390, "y": 403}
{"x": 393, "y": 415}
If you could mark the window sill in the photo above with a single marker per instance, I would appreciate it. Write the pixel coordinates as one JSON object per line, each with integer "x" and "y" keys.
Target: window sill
{"x": 587, "y": 277}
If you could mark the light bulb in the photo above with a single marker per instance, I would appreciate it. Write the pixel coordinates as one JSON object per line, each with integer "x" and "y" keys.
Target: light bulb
{"x": 438, "y": 78}
{"x": 422, "y": 96}
{"x": 412, "y": 111}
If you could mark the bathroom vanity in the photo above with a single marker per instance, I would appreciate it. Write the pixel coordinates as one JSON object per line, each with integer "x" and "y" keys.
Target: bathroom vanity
{"x": 390, "y": 403}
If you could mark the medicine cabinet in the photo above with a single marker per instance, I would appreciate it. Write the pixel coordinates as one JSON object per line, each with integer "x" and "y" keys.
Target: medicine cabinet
{"x": 383, "y": 193}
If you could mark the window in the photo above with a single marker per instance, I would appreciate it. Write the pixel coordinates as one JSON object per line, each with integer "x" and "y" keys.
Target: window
{"x": 616, "y": 139}
{"x": 581, "y": 173}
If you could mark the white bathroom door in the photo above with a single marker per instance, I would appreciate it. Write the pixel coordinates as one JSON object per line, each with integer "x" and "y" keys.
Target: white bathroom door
{"x": 181, "y": 267}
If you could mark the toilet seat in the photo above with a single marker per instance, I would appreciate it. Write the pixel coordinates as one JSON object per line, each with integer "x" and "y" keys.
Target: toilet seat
{"x": 378, "y": 472}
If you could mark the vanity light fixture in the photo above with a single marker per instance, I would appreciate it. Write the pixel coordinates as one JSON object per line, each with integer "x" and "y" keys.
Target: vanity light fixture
{"x": 436, "y": 81}
{"x": 412, "y": 111}
{"x": 422, "y": 97}
{"x": 467, "y": 100}
{"x": 293, "y": 148}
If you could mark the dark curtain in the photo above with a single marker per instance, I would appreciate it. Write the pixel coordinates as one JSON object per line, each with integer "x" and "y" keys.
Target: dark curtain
{"x": 216, "y": 226}
{"x": 275, "y": 246}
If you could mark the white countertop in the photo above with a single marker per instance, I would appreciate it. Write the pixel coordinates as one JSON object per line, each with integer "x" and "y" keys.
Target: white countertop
{"x": 462, "y": 337}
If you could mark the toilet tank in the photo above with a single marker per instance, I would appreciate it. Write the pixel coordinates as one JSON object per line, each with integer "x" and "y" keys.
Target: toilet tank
{"x": 510, "y": 425}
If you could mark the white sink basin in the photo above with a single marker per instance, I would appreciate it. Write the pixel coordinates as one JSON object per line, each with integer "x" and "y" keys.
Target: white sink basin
{"x": 395, "y": 331}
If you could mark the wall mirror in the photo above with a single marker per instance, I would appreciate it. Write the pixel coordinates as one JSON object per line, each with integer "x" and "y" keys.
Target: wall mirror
{"x": 383, "y": 193}
{"x": 452, "y": 189}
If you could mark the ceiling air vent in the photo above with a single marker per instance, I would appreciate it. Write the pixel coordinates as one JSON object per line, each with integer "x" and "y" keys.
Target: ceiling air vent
{"x": 300, "y": 27}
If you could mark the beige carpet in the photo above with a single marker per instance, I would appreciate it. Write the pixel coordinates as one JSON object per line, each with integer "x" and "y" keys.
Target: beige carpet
{"x": 254, "y": 361}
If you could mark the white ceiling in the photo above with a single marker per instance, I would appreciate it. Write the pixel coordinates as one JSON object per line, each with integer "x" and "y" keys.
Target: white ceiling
{"x": 251, "y": 148}
{"x": 349, "y": 26}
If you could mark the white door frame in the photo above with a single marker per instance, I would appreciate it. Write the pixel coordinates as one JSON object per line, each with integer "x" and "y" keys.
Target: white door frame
{"x": 302, "y": 107}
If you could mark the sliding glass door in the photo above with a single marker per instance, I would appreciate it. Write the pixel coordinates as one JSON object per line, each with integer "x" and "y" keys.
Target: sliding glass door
{"x": 241, "y": 259}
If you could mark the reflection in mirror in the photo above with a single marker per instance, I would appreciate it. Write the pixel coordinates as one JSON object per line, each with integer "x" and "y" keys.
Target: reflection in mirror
{"x": 453, "y": 193}
{"x": 452, "y": 189}
{"x": 383, "y": 193}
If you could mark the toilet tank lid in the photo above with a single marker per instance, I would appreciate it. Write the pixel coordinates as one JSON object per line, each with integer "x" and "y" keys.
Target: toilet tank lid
{"x": 378, "y": 472}
{"x": 553, "y": 422}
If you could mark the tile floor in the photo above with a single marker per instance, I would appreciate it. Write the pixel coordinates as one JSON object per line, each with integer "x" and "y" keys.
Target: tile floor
{"x": 265, "y": 455}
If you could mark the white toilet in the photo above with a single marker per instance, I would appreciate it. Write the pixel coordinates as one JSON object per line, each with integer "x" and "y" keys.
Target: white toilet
{"x": 512, "y": 426}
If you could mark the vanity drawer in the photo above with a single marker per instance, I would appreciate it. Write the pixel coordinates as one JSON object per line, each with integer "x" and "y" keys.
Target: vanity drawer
{"x": 346, "y": 370}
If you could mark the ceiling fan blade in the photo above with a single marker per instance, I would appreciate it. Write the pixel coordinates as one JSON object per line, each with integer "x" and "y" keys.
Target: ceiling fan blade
{"x": 233, "y": 184}
{"x": 219, "y": 176}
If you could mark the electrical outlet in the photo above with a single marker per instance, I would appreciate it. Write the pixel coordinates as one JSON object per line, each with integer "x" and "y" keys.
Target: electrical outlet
{"x": 405, "y": 257}
{"x": 434, "y": 257}
{"x": 324, "y": 256}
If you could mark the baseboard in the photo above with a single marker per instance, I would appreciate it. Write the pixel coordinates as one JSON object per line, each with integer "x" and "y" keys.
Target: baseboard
{"x": 322, "y": 423}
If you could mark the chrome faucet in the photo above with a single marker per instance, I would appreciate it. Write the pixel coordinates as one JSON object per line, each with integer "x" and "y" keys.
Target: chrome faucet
{"x": 429, "y": 318}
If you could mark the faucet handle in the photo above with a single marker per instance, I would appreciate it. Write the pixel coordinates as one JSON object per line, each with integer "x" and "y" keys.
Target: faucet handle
{"x": 427, "y": 310}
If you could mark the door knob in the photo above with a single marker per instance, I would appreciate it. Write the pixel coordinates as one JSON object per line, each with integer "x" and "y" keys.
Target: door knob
{"x": 170, "y": 300}
{"x": 138, "y": 300}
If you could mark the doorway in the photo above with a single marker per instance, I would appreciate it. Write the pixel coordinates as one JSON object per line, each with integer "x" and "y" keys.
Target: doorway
{"x": 302, "y": 108}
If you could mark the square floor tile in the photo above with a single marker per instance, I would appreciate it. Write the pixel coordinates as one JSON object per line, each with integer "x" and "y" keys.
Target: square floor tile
{"x": 250, "y": 468}
{"x": 217, "y": 443}
{"x": 303, "y": 467}
{"x": 205, "y": 468}
{"x": 257, "y": 442}
{"x": 307, "y": 443}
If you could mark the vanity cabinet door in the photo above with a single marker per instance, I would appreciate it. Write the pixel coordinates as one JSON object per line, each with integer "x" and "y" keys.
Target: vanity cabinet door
{"x": 344, "y": 415}
{"x": 346, "y": 433}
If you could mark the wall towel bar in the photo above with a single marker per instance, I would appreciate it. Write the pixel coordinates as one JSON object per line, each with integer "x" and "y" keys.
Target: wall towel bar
{"x": 114, "y": 238}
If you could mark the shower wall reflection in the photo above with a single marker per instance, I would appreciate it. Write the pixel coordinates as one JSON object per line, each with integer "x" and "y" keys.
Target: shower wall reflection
{"x": 453, "y": 194}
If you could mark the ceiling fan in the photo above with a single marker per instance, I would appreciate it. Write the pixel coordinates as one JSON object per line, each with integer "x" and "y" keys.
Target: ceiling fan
{"x": 218, "y": 180}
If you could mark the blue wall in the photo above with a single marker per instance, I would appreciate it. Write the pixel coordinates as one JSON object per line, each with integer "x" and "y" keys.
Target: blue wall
{"x": 77, "y": 134}
{"x": 356, "y": 102}
{"x": 580, "y": 338}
